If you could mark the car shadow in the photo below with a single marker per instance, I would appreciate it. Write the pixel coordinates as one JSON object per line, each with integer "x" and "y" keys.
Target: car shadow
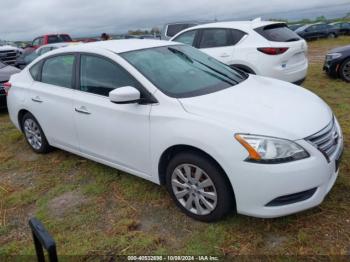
{"x": 3, "y": 111}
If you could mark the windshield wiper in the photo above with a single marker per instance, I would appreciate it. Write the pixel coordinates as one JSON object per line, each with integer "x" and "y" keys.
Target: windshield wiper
{"x": 203, "y": 64}
{"x": 182, "y": 54}
{"x": 216, "y": 71}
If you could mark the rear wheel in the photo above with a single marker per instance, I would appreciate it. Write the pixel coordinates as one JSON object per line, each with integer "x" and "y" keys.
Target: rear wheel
{"x": 34, "y": 135}
{"x": 344, "y": 70}
{"x": 198, "y": 187}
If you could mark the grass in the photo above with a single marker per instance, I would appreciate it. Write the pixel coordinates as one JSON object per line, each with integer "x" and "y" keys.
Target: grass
{"x": 92, "y": 209}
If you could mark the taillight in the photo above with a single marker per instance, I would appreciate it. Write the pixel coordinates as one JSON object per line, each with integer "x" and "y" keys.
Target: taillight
{"x": 7, "y": 87}
{"x": 273, "y": 50}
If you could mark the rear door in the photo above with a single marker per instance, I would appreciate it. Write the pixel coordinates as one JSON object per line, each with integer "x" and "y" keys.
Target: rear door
{"x": 219, "y": 43}
{"x": 51, "y": 100}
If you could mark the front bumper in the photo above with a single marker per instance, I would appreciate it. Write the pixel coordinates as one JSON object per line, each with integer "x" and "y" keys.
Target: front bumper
{"x": 258, "y": 185}
{"x": 331, "y": 67}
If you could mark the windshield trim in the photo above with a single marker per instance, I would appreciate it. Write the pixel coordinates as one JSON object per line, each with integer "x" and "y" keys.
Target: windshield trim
{"x": 204, "y": 91}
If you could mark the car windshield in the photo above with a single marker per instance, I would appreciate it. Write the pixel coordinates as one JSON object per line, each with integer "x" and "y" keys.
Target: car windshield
{"x": 183, "y": 71}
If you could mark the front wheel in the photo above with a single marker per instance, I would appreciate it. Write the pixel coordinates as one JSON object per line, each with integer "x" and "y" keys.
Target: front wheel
{"x": 199, "y": 187}
{"x": 34, "y": 134}
{"x": 345, "y": 70}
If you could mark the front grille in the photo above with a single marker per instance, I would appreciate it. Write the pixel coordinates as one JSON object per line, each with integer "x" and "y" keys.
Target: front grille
{"x": 326, "y": 140}
{"x": 8, "y": 57}
{"x": 292, "y": 198}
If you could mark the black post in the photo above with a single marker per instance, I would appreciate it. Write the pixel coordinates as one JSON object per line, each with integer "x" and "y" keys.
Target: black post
{"x": 42, "y": 240}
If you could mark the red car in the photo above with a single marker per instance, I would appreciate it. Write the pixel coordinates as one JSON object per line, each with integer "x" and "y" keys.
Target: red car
{"x": 50, "y": 39}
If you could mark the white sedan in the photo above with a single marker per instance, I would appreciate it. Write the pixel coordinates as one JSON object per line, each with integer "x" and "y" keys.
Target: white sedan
{"x": 219, "y": 139}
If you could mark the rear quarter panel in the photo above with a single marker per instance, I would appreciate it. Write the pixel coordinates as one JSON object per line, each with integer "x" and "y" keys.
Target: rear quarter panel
{"x": 18, "y": 95}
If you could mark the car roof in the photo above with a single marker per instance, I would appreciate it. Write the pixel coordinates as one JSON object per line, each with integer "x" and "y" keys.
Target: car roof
{"x": 244, "y": 25}
{"x": 117, "y": 46}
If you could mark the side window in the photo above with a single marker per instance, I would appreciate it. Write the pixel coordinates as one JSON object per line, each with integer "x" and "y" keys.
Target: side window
{"x": 100, "y": 76}
{"x": 214, "y": 38}
{"x": 236, "y": 36}
{"x": 187, "y": 37}
{"x": 58, "y": 71}
{"x": 312, "y": 28}
{"x": 41, "y": 41}
{"x": 36, "y": 42}
{"x": 35, "y": 71}
{"x": 53, "y": 39}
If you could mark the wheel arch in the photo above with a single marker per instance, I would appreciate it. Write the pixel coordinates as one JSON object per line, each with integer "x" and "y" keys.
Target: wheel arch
{"x": 176, "y": 149}
{"x": 20, "y": 116}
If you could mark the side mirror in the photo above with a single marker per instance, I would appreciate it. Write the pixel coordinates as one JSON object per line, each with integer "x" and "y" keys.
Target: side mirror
{"x": 125, "y": 95}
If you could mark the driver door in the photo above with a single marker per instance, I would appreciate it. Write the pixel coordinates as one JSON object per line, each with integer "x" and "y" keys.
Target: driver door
{"x": 116, "y": 134}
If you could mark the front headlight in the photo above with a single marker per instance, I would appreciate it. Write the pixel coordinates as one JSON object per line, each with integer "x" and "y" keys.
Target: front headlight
{"x": 270, "y": 150}
{"x": 333, "y": 56}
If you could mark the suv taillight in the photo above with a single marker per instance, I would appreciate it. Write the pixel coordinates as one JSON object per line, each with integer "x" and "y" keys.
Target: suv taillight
{"x": 273, "y": 50}
{"x": 7, "y": 87}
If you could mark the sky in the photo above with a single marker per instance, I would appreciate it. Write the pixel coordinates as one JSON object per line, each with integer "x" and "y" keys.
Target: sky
{"x": 26, "y": 19}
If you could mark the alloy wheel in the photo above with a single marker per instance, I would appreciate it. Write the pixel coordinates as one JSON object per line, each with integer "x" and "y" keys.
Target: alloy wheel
{"x": 33, "y": 133}
{"x": 194, "y": 189}
{"x": 346, "y": 71}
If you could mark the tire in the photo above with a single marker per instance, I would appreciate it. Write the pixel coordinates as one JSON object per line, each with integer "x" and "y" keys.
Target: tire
{"x": 34, "y": 135}
{"x": 208, "y": 202}
{"x": 344, "y": 70}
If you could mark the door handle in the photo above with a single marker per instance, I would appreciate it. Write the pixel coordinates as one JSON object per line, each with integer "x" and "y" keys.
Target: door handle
{"x": 37, "y": 99}
{"x": 224, "y": 55}
{"x": 82, "y": 110}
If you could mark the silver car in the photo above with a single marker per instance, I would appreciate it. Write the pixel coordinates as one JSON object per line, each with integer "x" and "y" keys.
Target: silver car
{"x": 5, "y": 72}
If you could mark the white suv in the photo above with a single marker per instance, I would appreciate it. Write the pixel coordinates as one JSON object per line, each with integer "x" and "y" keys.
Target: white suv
{"x": 257, "y": 47}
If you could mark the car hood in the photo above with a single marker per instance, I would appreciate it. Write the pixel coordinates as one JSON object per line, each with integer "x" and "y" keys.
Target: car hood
{"x": 263, "y": 106}
{"x": 7, "y": 48}
{"x": 340, "y": 49}
{"x": 7, "y": 71}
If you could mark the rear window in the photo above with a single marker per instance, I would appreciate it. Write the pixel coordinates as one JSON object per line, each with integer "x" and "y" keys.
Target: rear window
{"x": 53, "y": 39}
{"x": 176, "y": 28}
{"x": 66, "y": 38}
{"x": 58, "y": 39}
{"x": 277, "y": 33}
